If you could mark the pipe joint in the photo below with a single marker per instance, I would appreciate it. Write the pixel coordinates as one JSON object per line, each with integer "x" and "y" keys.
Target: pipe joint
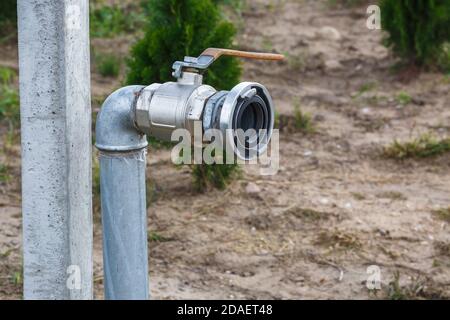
{"x": 115, "y": 127}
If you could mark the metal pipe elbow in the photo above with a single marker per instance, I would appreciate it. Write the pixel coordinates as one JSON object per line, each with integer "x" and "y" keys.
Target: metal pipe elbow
{"x": 115, "y": 130}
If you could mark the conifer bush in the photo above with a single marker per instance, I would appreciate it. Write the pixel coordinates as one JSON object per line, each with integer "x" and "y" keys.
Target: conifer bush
{"x": 418, "y": 30}
{"x": 8, "y": 10}
{"x": 178, "y": 28}
{"x": 8, "y": 15}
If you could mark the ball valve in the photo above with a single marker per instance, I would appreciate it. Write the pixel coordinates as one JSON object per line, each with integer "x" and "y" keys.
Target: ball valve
{"x": 162, "y": 108}
{"x": 130, "y": 113}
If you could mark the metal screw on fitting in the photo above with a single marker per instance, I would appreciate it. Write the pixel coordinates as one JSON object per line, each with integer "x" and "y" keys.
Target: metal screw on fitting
{"x": 141, "y": 118}
{"x": 213, "y": 107}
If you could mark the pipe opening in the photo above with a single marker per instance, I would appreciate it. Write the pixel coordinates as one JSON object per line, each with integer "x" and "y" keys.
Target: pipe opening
{"x": 245, "y": 115}
{"x": 251, "y": 122}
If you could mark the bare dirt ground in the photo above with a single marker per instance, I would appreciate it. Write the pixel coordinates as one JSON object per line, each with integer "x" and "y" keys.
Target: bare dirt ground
{"x": 336, "y": 205}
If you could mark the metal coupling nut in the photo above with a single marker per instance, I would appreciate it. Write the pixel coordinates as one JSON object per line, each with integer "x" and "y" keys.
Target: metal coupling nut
{"x": 142, "y": 108}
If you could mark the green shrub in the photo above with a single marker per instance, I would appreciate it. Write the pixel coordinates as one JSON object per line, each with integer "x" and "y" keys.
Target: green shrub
{"x": 108, "y": 65}
{"x": 424, "y": 146}
{"x": 346, "y": 3}
{"x": 237, "y": 5}
{"x": 403, "y": 98}
{"x": 5, "y": 175}
{"x": 179, "y": 28}
{"x": 158, "y": 144}
{"x": 108, "y": 21}
{"x": 9, "y": 97}
{"x": 418, "y": 29}
{"x": 8, "y": 11}
{"x": 303, "y": 120}
{"x": 214, "y": 175}
{"x": 444, "y": 58}
{"x": 8, "y": 17}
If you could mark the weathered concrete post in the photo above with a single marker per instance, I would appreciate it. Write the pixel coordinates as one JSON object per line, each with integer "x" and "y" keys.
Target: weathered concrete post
{"x": 56, "y": 148}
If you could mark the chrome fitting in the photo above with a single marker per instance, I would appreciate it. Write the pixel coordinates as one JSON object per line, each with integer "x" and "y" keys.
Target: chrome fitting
{"x": 160, "y": 109}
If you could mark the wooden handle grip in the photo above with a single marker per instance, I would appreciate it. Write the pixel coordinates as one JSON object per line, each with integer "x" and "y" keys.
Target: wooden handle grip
{"x": 216, "y": 53}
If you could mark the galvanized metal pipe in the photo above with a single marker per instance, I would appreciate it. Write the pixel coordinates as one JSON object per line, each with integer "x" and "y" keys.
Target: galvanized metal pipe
{"x": 56, "y": 148}
{"x": 123, "y": 197}
{"x": 159, "y": 110}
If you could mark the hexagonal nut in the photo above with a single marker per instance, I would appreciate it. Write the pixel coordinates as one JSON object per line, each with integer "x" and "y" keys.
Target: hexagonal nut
{"x": 142, "y": 115}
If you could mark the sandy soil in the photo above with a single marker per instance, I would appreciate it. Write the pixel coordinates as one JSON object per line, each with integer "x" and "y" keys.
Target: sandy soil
{"x": 336, "y": 205}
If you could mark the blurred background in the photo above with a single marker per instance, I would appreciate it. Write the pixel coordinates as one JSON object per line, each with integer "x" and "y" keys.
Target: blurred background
{"x": 364, "y": 121}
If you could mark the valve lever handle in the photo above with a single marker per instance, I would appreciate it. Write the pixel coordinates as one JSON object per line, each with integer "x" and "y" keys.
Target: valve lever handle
{"x": 217, "y": 52}
{"x": 212, "y": 54}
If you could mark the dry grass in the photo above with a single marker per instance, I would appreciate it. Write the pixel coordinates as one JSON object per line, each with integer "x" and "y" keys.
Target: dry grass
{"x": 418, "y": 287}
{"x": 393, "y": 195}
{"x": 443, "y": 214}
{"x": 307, "y": 214}
{"x": 443, "y": 248}
{"x": 424, "y": 146}
{"x": 338, "y": 239}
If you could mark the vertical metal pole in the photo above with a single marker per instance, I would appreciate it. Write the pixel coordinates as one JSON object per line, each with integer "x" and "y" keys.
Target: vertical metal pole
{"x": 56, "y": 148}
{"x": 122, "y": 183}
{"x": 124, "y": 218}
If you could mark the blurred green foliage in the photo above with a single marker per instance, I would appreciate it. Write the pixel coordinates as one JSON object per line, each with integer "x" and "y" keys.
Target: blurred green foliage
{"x": 8, "y": 11}
{"x": 178, "y": 28}
{"x": 237, "y": 5}
{"x": 107, "y": 21}
{"x": 424, "y": 146}
{"x": 444, "y": 58}
{"x": 346, "y": 3}
{"x": 8, "y": 18}
{"x": 9, "y": 97}
{"x": 108, "y": 65}
{"x": 418, "y": 29}
{"x": 214, "y": 175}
